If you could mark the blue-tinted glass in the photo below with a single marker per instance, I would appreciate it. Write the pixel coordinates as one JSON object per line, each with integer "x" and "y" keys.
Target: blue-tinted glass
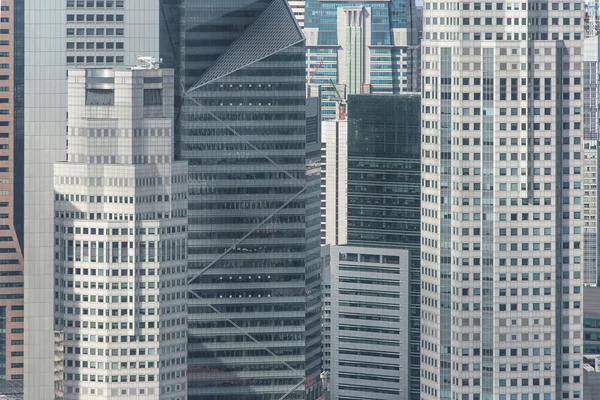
{"x": 242, "y": 129}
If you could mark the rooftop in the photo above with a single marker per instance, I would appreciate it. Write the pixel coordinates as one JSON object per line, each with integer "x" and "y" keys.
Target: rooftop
{"x": 11, "y": 390}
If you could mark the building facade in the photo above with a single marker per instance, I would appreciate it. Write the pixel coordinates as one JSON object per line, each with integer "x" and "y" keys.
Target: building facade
{"x": 356, "y": 47}
{"x": 384, "y": 190}
{"x": 314, "y": 300}
{"x": 334, "y": 185}
{"x": 590, "y": 160}
{"x": 502, "y": 132}
{"x": 58, "y": 35}
{"x": 242, "y": 127}
{"x": 371, "y": 188}
{"x": 591, "y": 320}
{"x": 11, "y": 190}
{"x": 366, "y": 309}
{"x": 299, "y": 9}
{"x": 591, "y": 376}
{"x": 120, "y": 239}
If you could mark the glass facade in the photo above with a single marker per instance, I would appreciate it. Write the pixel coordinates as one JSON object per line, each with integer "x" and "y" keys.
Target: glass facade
{"x": 314, "y": 301}
{"x": 242, "y": 129}
{"x": 384, "y": 187}
{"x": 386, "y": 15}
{"x": 359, "y": 47}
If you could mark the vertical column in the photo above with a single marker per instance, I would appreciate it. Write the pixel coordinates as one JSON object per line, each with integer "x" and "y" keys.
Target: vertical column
{"x": 487, "y": 331}
{"x": 445, "y": 222}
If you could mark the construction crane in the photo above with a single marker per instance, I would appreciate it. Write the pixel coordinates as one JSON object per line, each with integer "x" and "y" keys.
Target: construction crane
{"x": 314, "y": 71}
{"x": 341, "y": 103}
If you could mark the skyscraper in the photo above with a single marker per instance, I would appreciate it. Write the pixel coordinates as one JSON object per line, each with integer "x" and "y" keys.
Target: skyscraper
{"x": 56, "y": 35}
{"x": 314, "y": 301}
{"x": 356, "y": 47}
{"x": 11, "y": 190}
{"x": 371, "y": 190}
{"x": 501, "y": 252}
{"x": 120, "y": 238}
{"x": 242, "y": 129}
{"x": 384, "y": 192}
{"x": 299, "y": 8}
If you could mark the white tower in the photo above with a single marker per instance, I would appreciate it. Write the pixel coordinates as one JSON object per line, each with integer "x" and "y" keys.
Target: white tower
{"x": 120, "y": 239}
{"x": 502, "y": 130}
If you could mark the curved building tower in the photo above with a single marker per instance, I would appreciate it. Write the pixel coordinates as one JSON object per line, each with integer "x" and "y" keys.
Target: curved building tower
{"x": 120, "y": 238}
{"x": 502, "y": 131}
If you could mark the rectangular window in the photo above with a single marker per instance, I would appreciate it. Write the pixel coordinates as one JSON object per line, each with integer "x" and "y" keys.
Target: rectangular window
{"x": 153, "y": 97}
{"x": 100, "y": 97}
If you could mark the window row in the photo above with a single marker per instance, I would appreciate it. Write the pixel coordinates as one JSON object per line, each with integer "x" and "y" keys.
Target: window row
{"x": 95, "y": 3}
{"x": 121, "y": 231}
{"x": 510, "y": 6}
{"x": 499, "y": 36}
{"x": 98, "y": 59}
{"x": 114, "y": 379}
{"x": 95, "y": 17}
{"x": 95, "y": 45}
{"x": 149, "y": 216}
{"x": 114, "y": 252}
{"x": 95, "y": 31}
{"x": 119, "y": 199}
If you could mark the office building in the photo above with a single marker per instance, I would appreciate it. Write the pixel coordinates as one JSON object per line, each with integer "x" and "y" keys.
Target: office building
{"x": 242, "y": 127}
{"x": 384, "y": 189}
{"x": 384, "y": 170}
{"x": 57, "y": 35}
{"x": 414, "y": 53}
{"x": 314, "y": 301}
{"x": 501, "y": 252}
{"x": 371, "y": 187}
{"x": 590, "y": 160}
{"x": 356, "y": 47}
{"x": 120, "y": 238}
{"x": 11, "y": 190}
{"x": 366, "y": 313}
{"x": 298, "y": 8}
{"x": 334, "y": 185}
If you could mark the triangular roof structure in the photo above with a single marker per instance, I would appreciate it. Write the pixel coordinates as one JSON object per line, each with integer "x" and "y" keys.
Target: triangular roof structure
{"x": 274, "y": 30}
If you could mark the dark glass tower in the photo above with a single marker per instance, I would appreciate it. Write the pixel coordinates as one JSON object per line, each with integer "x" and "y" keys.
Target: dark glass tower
{"x": 314, "y": 301}
{"x": 384, "y": 187}
{"x": 242, "y": 129}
